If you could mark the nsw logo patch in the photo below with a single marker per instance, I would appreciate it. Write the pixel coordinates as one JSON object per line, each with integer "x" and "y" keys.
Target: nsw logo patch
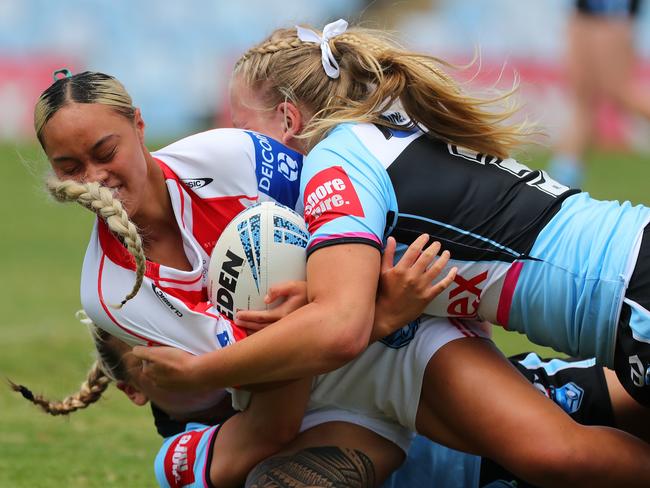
{"x": 328, "y": 196}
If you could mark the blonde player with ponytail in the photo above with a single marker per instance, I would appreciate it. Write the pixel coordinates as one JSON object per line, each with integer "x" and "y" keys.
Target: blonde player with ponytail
{"x": 394, "y": 147}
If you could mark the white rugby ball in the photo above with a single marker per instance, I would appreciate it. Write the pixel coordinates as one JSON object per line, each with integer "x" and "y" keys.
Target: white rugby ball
{"x": 262, "y": 246}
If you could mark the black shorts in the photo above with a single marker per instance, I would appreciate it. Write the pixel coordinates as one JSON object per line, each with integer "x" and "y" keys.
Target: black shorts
{"x": 632, "y": 356}
{"x": 609, "y": 8}
{"x": 577, "y": 386}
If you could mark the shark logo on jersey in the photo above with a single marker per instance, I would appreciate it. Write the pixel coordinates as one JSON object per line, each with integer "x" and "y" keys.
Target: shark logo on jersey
{"x": 401, "y": 337}
{"x": 249, "y": 235}
{"x": 196, "y": 183}
{"x": 287, "y": 232}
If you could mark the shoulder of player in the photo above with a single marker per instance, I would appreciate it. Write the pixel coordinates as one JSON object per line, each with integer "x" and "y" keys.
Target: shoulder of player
{"x": 206, "y": 147}
{"x": 346, "y": 146}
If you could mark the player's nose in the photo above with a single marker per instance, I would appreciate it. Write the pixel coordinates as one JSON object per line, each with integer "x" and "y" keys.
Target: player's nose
{"x": 96, "y": 174}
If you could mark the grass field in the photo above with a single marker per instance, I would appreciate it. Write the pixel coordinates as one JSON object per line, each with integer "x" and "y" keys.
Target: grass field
{"x": 112, "y": 443}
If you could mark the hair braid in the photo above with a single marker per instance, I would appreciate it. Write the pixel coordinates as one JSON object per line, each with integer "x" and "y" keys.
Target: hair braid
{"x": 377, "y": 74}
{"x": 101, "y": 201}
{"x": 91, "y": 390}
{"x": 272, "y": 47}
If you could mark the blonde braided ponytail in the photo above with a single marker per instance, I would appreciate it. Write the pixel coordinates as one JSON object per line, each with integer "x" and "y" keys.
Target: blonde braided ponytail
{"x": 375, "y": 73}
{"x": 101, "y": 201}
{"x": 108, "y": 367}
{"x": 90, "y": 391}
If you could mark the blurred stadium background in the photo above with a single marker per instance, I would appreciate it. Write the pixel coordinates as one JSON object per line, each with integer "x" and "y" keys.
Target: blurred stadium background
{"x": 174, "y": 58}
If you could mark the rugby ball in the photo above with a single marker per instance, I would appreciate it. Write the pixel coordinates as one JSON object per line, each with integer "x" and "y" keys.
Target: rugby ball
{"x": 263, "y": 245}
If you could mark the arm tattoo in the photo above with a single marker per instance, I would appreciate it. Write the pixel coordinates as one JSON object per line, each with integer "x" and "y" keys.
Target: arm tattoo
{"x": 330, "y": 466}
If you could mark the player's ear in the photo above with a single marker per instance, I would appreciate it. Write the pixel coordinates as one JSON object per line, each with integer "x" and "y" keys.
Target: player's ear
{"x": 139, "y": 125}
{"x": 292, "y": 121}
{"x": 135, "y": 395}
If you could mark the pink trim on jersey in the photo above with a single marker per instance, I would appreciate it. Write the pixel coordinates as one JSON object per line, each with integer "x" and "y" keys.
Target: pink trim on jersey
{"x": 109, "y": 314}
{"x": 350, "y": 235}
{"x": 507, "y": 292}
{"x": 462, "y": 328}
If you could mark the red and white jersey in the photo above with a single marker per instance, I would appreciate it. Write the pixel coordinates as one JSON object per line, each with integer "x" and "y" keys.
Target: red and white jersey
{"x": 210, "y": 178}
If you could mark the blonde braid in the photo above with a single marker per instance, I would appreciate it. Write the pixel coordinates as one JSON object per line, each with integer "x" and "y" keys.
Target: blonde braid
{"x": 101, "y": 201}
{"x": 107, "y": 368}
{"x": 271, "y": 47}
{"x": 375, "y": 73}
{"x": 90, "y": 391}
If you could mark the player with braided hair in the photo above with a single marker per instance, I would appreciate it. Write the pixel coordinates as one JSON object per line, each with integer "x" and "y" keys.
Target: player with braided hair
{"x": 100, "y": 200}
{"x": 533, "y": 254}
{"x": 582, "y": 389}
{"x": 181, "y": 196}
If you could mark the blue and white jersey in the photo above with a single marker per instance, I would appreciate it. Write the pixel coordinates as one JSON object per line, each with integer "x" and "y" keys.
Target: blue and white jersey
{"x": 532, "y": 254}
{"x": 569, "y": 296}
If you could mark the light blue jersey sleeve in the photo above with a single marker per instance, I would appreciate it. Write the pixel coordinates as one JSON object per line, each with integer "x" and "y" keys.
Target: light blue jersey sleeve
{"x": 346, "y": 192}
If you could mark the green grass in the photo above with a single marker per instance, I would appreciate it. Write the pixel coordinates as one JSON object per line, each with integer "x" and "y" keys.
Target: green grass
{"x": 112, "y": 443}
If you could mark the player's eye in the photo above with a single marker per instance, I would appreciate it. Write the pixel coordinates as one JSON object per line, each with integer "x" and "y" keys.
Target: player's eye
{"x": 106, "y": 156}
{"x": 70, "y": 170}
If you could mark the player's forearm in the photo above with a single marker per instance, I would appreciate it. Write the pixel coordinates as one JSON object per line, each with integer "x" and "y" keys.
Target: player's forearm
{"x": 308, "y": 342}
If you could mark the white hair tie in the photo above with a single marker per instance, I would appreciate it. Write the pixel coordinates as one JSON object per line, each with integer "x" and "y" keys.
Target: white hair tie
{"x": 329, "y": 31}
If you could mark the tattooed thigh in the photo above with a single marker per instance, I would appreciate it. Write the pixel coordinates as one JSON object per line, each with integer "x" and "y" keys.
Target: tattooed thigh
{"x": 327, "y": 466}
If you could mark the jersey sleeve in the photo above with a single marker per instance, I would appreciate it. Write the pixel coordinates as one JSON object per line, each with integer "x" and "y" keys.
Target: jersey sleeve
{"x": 346, "y": 193}
{"x": 184, "y": 459}
{"x": 225, "y": 162}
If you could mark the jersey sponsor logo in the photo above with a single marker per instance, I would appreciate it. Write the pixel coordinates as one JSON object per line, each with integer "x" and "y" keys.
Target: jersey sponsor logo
{"x": 467, "y": 304}
{"x": 638, "y": 374}
{"x": 228, "y": 283}
{"x": 196, "y": 183}
{"x": 330, "y": 195}
{"x": 536, "y": 178}
{"x": 271, "y": 158}
{"x": 287, "y": 166}
{"x": 180, "y": 457}
{"x": 163, "y": 298}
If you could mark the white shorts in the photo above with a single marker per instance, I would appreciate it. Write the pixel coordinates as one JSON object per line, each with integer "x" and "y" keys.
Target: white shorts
{"x": 380, "y": 390}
